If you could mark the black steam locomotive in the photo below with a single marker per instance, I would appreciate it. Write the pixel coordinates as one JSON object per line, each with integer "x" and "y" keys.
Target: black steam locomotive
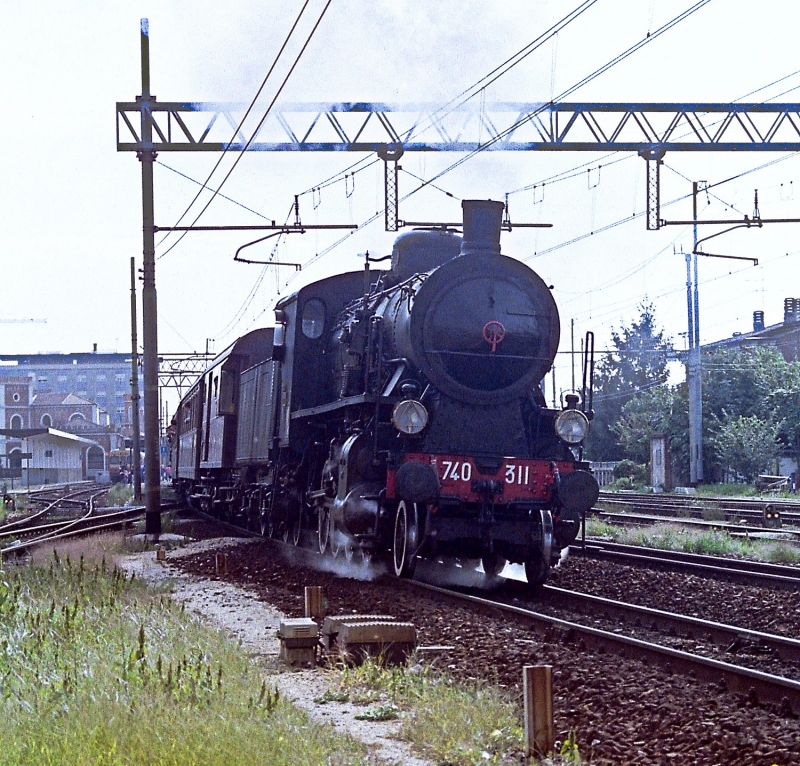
{"x": 398, "y": 412}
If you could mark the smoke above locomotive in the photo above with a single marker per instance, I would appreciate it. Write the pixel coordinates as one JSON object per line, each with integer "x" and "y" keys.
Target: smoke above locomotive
{"x": 399, "y": 412}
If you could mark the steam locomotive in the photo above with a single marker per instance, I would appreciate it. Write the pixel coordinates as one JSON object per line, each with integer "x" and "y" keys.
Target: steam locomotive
{"x": 398, "y": 413}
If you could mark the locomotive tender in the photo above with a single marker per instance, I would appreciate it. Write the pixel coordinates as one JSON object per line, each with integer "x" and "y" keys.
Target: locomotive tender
{"x": 398, "y": 412}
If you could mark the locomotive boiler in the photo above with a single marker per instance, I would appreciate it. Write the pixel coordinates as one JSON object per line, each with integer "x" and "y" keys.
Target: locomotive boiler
{"x": 399, "y": 412}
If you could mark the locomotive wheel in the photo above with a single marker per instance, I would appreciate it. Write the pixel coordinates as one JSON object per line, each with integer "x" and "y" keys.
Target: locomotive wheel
{"x": 366, "y": 556}
{"x": 335, "y": 538}
{"x": 536, "y": 570}
{"x": 493, "y": 564}
{"x": 296, "y": 531}
{"x": 404, "y": 547}
{"x": 323, "y": 528}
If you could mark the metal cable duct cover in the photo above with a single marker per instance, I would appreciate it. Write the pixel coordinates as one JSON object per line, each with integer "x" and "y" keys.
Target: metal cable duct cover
{"x": 482, "y": 222}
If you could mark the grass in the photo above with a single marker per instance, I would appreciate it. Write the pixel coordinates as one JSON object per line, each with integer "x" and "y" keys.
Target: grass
{"x": 449, "y": 722}
{"x": 712, "y": 542}
{"x": 120, "y": 494}
{"x": 95, "y": 668}
{"x": 727, "y": 490}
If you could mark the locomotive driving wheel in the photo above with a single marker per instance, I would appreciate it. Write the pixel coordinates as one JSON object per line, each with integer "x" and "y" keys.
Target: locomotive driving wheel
{"x": 406, "y": 539}
{"x": 336, "y": 540}
{"x": 296, "y": 530}
{"x": 323, "y": 528}
{"x": 536, "y": 570}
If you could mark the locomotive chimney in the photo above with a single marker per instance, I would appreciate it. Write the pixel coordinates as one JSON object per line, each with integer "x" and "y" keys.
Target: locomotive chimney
{"x": 482, "y": 222}
{"x": 758, "y": 321}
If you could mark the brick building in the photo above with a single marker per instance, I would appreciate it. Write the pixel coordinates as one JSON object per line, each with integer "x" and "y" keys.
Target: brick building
{"x": 74, "y": 415}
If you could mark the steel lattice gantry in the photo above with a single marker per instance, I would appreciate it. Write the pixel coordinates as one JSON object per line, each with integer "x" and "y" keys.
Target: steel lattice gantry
{"x": 650, "y": 129}
{"x": 181, "y": 371}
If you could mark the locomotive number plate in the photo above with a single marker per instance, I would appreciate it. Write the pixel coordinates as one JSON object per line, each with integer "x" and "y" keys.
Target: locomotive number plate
{"x": 469, "y": 479}
{"x": 454, "y": 470}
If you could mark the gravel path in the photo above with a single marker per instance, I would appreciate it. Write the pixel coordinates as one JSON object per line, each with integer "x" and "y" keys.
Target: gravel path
{"x": 235, "y": 608}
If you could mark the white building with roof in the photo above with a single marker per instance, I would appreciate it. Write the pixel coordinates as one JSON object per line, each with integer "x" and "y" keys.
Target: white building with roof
{"x": 48, "y": 456}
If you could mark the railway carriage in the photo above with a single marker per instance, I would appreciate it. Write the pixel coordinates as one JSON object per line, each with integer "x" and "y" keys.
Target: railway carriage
{"x": 399, "y": 412}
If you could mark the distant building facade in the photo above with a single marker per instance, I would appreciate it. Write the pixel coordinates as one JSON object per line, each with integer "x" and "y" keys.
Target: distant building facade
{"x": 74, "y": 415}
{"x": 104, "y": 378}
{"x": 784, "y": 336}
{"x": 16, "y": 394}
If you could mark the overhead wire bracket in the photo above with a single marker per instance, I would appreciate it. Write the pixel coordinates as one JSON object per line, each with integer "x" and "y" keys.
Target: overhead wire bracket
{"x": 654, "y": 156}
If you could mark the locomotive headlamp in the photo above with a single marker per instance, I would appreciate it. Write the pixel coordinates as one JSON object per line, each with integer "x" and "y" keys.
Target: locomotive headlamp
{"x": 410, "y": 417}
{"x": 572, "y": 426}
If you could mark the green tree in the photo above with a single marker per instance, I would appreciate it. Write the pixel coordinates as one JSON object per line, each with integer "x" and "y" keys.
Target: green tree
{"x": 636, "y": 363}
{"x": 657, "y": 410}
{"x": 746, "y": 445}
{"x": 750, "y": 382}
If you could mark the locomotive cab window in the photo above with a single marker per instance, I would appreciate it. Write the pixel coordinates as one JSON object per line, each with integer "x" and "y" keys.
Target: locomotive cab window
{"x": 313, "y": 318}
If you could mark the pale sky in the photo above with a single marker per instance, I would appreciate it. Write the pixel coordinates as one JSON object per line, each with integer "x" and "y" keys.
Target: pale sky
{"x": 71, "y": 212}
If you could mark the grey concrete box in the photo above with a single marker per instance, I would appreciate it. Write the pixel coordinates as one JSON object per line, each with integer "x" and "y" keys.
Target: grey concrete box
{"x": 392, "y": 641}
{"x": 333, "y": 624}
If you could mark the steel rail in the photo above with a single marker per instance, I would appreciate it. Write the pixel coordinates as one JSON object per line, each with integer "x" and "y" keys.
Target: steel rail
{"x": 671, "y": 510}
{"x": 645, "y": 519}
{"x": 737, "y": 570}
{"x": 700, "y": 502}
{"x": 732, "y": 678}
{"x": 20, "y": 524}
{"x": 656, "y": 619}
{"x": 84, "y": 525}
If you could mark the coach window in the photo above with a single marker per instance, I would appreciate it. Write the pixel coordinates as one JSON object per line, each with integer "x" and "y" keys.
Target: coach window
{"x": 313, "y": 318}
{"x": 227, "y": 393}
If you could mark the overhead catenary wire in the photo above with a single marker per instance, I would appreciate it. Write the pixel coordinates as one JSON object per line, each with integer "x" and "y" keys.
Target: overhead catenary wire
{"x": 617, "y": 59}
{"x": 569, "y": 91}
{"x": 238, "y": 128}
{"x": 337, "y": 177}
{"x": 473, "y": 90}
{"x": 258, "y": 127}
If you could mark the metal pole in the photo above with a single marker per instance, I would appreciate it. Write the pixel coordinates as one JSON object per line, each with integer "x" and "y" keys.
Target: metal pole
{"x": 137, "y": 457}
{"x": 694, "y": 368}
{"x": 152, "y": 525}
{"x": 572, "y": 355}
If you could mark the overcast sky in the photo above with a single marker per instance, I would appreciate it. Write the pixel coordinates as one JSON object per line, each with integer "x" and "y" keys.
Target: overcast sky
{"x": 71, "y": 212}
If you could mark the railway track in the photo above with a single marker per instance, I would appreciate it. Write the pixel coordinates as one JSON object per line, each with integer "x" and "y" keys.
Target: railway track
{"x": 710, "y": 636}
{"x": 672, "y": 506}
{"x": 734, "y": 570}
{"x": 766, "y": 688}
{"x": 736, "y": 529}
{"x": 50, "y": 502}
{"x": 28, "y": 533}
